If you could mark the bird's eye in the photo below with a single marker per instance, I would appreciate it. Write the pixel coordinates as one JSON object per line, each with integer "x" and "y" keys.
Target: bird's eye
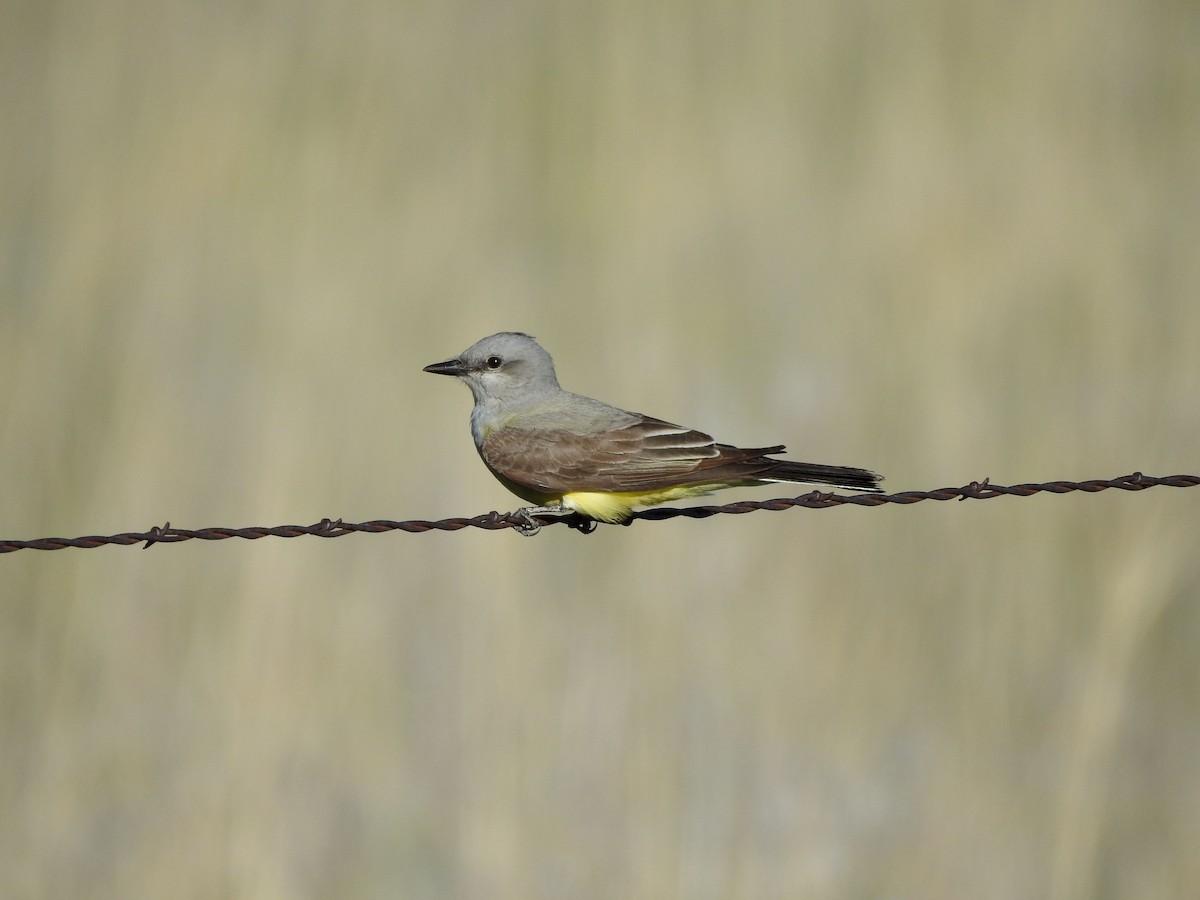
{"x": 494, "y": 362}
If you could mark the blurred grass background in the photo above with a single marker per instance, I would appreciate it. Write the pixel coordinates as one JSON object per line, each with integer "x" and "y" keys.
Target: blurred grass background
{"x": 941, "y": 240}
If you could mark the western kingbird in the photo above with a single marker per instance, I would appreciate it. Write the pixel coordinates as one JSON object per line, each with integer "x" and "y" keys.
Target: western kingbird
{"x": 568, "y": 453}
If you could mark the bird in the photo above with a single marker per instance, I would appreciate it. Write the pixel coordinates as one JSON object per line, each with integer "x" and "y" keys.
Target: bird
{"x": 569, "y": 454}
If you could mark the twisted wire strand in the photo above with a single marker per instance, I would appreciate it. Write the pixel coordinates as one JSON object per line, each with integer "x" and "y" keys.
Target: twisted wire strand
{"x": 526, "y": 524}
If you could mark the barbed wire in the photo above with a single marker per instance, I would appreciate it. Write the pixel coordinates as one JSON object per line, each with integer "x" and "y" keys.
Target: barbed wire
{"x": 530, "y": 524}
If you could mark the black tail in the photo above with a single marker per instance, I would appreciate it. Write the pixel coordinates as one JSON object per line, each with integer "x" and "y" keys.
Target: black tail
{"x": 815, "y": 473}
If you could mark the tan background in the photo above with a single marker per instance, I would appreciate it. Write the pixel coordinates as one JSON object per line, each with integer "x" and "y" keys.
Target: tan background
{"x": 943, "y": 240}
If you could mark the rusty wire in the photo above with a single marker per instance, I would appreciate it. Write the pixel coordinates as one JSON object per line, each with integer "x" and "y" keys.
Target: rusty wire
{"x": 493, "y": 521}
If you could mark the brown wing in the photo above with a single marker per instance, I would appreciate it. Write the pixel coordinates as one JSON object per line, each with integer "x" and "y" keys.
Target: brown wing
{"x": 644, "y": 455}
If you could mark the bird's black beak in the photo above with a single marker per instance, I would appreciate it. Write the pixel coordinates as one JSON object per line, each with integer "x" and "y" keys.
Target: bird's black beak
{"x": 449, "y": 367}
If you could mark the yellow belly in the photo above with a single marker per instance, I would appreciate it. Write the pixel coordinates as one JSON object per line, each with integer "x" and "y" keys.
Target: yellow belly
{"x": 606, "y": 506}
{"x": 617, "y": 506}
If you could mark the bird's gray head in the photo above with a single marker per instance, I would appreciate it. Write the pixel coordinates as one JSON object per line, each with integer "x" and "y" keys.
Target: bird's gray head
{"x": 509, "y": 367}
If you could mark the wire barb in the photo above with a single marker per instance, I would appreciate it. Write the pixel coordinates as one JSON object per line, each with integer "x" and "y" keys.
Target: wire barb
{"x": 155, "y": 535}
{"x": 531, "y": 522}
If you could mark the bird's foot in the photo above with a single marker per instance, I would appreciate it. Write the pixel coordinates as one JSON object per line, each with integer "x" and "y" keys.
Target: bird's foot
{"x": 530, "y": 525}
